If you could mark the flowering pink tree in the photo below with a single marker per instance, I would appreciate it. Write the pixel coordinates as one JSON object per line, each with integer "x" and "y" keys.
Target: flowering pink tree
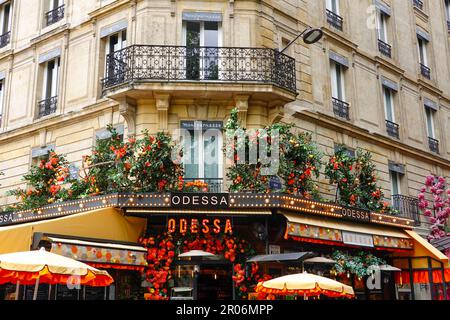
{"x": 440, "y": 204}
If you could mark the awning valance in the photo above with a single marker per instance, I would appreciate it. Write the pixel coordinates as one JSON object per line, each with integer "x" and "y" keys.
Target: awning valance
{"x": 106, "y": 224}
{"x": 422, "y": 248}
{"x": 284, "y": 257}
{"x": 99, "y": 253}
{"x": 347, "y": 233}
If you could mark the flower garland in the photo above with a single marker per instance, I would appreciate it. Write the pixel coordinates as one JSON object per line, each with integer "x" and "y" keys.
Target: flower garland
{"x": 163, "y": 249}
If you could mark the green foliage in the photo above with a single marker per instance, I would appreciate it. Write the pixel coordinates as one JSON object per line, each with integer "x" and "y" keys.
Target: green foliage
{"x": 45, "y": 181}
{"x": 151, "y": 169}
{"x": 359, "y": 265}
{"x": 298, "y": 159}
{"x": 143, "y": 165}
{"x": 355, "y": 178}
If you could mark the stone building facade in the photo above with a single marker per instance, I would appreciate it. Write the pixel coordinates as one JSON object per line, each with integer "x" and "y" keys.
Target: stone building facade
{"x": 379, "y": 78}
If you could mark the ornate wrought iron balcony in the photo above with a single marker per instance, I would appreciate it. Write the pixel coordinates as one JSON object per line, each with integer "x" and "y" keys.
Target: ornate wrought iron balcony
{"x": 425, "y": 71}
{"x": 215, "y": 185}
{"x": 341, "y": 109}
{"x": 5, "y": 39}
{"x": 148, "y": 63}
{"x": 434, "y": 145}
{"x": 335, "y": 20}
{"x": 47, "y": 106}
{"x": 408, "y": 207}
{"x": 418, "y": 4}
{"x": 385, "y": 48}
{"x": 55, "y": 15}
{"x": 393, "y": 129}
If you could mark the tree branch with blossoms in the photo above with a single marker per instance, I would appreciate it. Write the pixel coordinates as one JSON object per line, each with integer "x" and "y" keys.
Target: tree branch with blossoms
{"x": 438, "y": 209}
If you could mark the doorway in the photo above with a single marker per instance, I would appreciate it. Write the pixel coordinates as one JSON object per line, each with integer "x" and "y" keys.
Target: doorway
{"x": 208, "y": 281}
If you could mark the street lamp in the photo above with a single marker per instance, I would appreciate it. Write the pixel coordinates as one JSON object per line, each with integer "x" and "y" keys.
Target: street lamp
{"x": 309, "y": 35}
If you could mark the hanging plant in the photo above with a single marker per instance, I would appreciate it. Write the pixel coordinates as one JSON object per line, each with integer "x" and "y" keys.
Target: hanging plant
{"x": 359, "y": 265}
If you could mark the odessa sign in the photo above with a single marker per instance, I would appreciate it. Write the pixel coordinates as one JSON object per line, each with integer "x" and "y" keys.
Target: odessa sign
{"x": 6, "y": 218}
{"x": 210, "y": 201}
{"x": 195, "y": 226}
{"x": 355, "y": 214}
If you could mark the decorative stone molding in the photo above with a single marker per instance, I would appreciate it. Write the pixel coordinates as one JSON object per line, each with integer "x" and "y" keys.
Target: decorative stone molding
{"x": 276, "y": 112}
{"x": 43, "y": 138}
{"x": 127, "y": 109}
{"x": 173, "y": 7}
{"x": 242, "y": 107}
{"x": 162, "y": 106}
{"x": 231, "y": 8}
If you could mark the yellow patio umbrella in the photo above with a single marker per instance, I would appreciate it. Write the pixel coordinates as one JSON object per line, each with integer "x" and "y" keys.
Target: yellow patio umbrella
{"x": 34, "y": 267}
{"x": 306, "y": 284}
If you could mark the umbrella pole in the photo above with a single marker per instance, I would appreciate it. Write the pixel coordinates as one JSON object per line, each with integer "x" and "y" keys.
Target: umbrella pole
{"x": 17, "y": 289}
{"x": 36, "y": 287}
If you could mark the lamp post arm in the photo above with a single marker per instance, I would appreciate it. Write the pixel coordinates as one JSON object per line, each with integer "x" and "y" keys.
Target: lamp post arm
{"x": 296, "y": 38}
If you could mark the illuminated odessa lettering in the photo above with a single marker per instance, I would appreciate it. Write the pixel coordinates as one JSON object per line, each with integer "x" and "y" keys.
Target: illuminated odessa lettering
{"x": 200, "y": 201}
{"x": 200, "y": 226}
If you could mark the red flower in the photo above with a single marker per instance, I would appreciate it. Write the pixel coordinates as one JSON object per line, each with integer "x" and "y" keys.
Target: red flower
{"x": 291, "y": 182}
{"x": 54, "y": 189}
{"x": 162, "y": 184}
{"x": 127, "y": 165}
{"x": 336, "y": 166}
{"x": 54, "y": 161}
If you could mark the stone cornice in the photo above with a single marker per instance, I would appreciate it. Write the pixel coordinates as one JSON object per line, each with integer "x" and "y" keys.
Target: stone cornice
{"x": 56, "y": 121}
{"x": 374, "y": 138}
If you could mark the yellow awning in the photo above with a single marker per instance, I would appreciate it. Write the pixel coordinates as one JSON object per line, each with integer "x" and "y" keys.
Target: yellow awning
{"x": 346, "y": 226}
{"x": 107, "y": 224}
{"x": 422, "y": 250}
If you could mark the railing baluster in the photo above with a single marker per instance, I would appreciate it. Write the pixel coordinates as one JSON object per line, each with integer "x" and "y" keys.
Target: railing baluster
{"x": 148, "y": 63}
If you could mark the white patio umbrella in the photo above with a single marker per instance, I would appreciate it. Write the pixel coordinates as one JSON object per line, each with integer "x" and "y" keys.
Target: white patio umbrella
{"x": 34, "y": 267}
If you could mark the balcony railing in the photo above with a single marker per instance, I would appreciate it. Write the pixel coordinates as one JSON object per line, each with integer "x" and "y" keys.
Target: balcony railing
{"x": 418, "y": 4}
{"x": 341, "y": 109}
{"x": 425, "y": 71}
{"x": 55, "y": 15}
{"x": 385, "y": 48}
{"x": 393, "y": 129}
{"x": 5, "y": 39}
{"x": 335, "y": 20}
{"x": 408, "y": 207}
{"x": 215, "y": 185}
{"x": 178, "y": 63}
{"x": 47, "y": 106}
{"x": 434, "y": 145}
{"x": 448, "y": 24}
